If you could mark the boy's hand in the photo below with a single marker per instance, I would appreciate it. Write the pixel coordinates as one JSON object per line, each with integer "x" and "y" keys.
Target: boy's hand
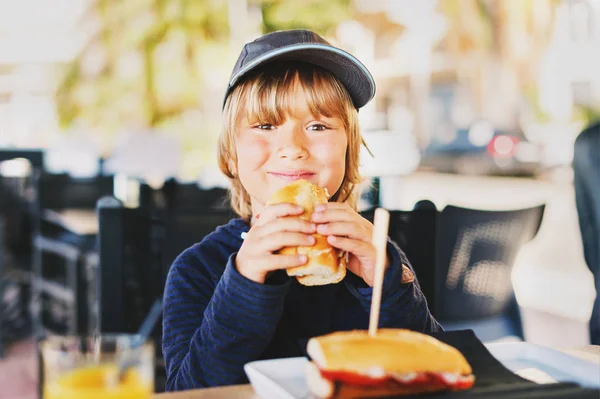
{"x": 279, "y": 226}
{"x": 347, "y": 230}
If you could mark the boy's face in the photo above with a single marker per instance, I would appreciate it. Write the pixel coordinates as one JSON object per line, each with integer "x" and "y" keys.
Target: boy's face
{"x": 305, "y": 146}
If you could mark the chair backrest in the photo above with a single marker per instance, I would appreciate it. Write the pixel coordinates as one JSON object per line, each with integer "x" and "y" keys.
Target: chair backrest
{"x": 35, "y": 157}
{"x": 476, "y": 250}
{"x": 184, "y": 229}
{"x": 61, "y": 191}
{"x": 136, "y": 247}
{"x": 190, "y": 197}
{"x": 19, "y": 202}
{"x": 414, "y": 231}
{"x": 129, "y": 272}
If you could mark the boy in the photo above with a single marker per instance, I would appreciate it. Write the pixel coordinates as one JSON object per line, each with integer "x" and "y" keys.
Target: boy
{"x": 290, "y": 112}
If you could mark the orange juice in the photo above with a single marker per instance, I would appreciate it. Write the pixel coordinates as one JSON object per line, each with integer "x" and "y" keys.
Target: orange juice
{"x": 98, "y": 382}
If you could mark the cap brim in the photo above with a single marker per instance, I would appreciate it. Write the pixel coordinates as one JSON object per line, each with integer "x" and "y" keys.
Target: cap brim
{"x": 348, "y": 69}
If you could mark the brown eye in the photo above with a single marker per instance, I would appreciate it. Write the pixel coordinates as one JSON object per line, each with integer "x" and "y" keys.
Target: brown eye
{"x": 264, "y": 126}
{"x": 317, "y": 127}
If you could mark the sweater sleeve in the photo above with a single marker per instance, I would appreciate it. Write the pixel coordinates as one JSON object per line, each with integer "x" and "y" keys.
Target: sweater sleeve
{"x": 402, "y": 305}
{"x": 210, "y": 331}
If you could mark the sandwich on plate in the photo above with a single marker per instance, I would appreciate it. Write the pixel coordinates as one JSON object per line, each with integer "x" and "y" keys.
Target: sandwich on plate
{"x": 352, "y": 364}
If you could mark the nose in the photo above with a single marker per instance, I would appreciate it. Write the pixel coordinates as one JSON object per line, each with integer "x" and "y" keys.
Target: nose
{"x": 292, "y": 145}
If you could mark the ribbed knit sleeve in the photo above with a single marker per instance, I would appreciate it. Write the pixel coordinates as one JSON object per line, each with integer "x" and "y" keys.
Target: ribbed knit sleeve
{"x": 402, "y": 305}
{"x": 211, "y": 329}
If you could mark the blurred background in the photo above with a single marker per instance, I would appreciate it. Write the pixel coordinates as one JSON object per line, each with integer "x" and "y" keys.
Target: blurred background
{"x": 478, "y": 105}
{"x": 451, "y": 74}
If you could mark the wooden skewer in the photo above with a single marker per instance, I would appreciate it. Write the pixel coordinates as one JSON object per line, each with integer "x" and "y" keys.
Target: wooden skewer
{"x": 379, "y": 240}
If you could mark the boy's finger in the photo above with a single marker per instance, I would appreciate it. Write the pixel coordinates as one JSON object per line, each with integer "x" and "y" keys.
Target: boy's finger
{"x": 283, "y": 239}
{"x": 356, "y": 247}
{"x": 332, "y": 205}
{"x": 333, "y": 215}
{"x": 347, "y": 229}
{"x": 274, "y": 211}
{"x": 287, "y": 223}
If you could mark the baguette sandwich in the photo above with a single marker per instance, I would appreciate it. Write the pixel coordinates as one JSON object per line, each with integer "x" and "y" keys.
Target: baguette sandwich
{"x": 326, "y": 264}
{"x": 351, "y": 364}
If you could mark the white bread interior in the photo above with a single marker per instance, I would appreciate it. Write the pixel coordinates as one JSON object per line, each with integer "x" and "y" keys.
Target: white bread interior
{"x": 325, "y": 264}
{"x": 318, "y": 386}
{"x": 321, "y": 387}
{"x": 322, "y": 275}
{"x": 397, "y": 351}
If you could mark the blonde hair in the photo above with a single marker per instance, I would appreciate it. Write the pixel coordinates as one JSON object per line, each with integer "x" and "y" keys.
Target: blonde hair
{"x": 267, "y": 97}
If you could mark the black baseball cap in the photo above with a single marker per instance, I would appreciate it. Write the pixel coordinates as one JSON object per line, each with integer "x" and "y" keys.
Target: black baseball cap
{"x": 305, "y": 46}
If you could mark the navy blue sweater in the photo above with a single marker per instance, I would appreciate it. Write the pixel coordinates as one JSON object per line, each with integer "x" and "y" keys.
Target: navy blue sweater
{"x": 215, "y": 320}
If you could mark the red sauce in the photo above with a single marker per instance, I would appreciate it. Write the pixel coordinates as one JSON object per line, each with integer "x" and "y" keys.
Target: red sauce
{"x": 464, "y": 384}
{"x": 420, "y": 379}
{"x": 353, "y": 378}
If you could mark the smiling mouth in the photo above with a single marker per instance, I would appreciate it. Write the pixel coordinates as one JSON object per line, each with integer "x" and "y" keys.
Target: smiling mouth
{"x": 293, "y": 176}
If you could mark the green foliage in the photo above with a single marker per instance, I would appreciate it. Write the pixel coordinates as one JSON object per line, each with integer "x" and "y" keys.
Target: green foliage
{"x": 531, "y": 94}
{"x": 147, "y": 61}
{"x": 584, "y": 113}
{"x": 587, "y": 114}
{"x": 317, "y": 15}
{"x": 471, "y": 22}
{"x": 141, "y": 67}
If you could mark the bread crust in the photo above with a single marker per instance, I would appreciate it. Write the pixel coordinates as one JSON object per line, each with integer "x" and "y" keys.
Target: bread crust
{"x": 392, "y": 352}
{"x": 326, "y": 264}
{"x": 355, "y": 351}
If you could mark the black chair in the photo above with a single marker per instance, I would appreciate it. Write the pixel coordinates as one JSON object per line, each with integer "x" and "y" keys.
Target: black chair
{"x": 414, "y": 231}
{"x": 135, "y": 249}
{"x": 34, "y": 156}
{"x": 188, "y": 197}
{"x": 60, "y": 250}
{"x": 136, "y": 246}
{"x": 18, "y": 202}
{"x": 130, "y": 243}
{"x": 475, "y": 254}
{"x": 62, "y": 191}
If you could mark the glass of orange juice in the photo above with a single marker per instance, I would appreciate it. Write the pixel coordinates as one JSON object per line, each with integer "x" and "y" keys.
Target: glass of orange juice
{"x": 88, "y": 367}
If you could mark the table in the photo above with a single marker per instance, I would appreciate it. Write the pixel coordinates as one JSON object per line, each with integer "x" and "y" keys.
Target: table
{"x": 80, "y": 221}
{"x": 589, "y": 353}
{"x": 231, "y": 392}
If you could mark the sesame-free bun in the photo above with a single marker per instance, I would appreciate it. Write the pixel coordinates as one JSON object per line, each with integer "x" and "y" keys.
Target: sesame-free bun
{"x": 392, "y": 354}
{"x": 398, "y": 351}
{"x": 326, "y": 264}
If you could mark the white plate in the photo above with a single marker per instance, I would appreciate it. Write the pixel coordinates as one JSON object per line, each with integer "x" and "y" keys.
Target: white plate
{"x": 543, "y": 365}
{"x": 284, "y": 378}
{"x": 278, "y": 378}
